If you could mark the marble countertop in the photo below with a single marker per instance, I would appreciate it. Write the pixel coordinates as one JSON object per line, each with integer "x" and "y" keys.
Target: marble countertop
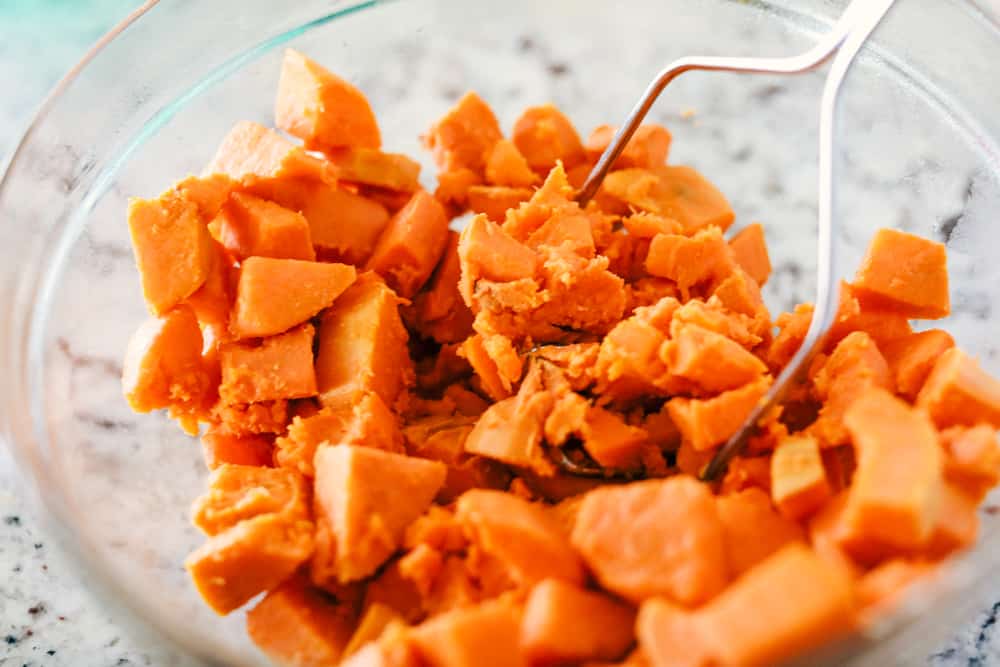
{"x": 48, "y": 616}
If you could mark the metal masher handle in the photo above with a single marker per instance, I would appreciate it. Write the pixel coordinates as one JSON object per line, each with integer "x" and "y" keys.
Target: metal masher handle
{"x": 868, "y": 16}
{"x": 853, "y": 28}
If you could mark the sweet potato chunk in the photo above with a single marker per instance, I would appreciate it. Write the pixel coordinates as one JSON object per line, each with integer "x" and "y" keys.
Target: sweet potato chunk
{"x": 322, "y": 109}
{"x": 280, "y": 367}
{"x": 647, "y": 148}
{"x": 462, "y": 137}
{"x": 520, "y": 534}
{"x": 394, "y": 172}
{"x": 506, "y": 166}
{"x": 212, "y": 303}
{"x": 252, "y": 153}
{"x": 362, "y": 345}
{"x": 791, "y": 602}
{"x": 798, "y": 478}
{"x": 889, "y": 503}
{"x": 173, "y": 250}
{"x": 487, "y": 251}
{"x": 343, "y": 226}
{"x": 365, "y": 498}
{"x": 411, "y": 245}
{"x": 439, "y": 311}
{"x": 453, "y": 188}
{"x": 912, "y": 358}
{"x": 164, "y": 368}
{"x": 677, "y": 192}
{"x": 375, "y": 620}
{"x": 959, "y": 392}
{"x": 238, "y": 493}
{"x": 707, "y": 423}
{"x": 365, "y": 422}
{"x": 690, "y": 261}
{"x": 907, "y": 273}
{"x": 753, "y": 530}
{"x": 957, "y": 524}
{"x": 208, "y": 193}
{"x": 544, "y": 135}
{"x": 251, "y": 557}
{"x": 855, "y": 365}
{"x": 654, "y": 538}
{"x": 495, "y": 200}
{"x": 711, "y": 361}
{"x": 565, "y": 624}
{"x": 485, "y": 635}
{"x": 750, "y": 252}
{"x": 972, "y": 458}
{"x": 610, "y": 441}
{"x": 670, "y": 636}
{"x": 250, "y": 226}
{"x": 298, "y": 626}
{"x": 274, "y": 295}
{"x": 220, "y": 447}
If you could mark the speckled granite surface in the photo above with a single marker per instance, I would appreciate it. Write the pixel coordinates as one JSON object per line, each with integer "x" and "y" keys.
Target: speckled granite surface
{"x": 48, "y": 615}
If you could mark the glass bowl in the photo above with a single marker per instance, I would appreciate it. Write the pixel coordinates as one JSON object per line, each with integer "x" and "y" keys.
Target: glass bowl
{"x": 920, "y": 149}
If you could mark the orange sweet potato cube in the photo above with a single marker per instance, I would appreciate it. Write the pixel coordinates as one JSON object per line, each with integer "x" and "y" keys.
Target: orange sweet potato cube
{"x": 322, "y": 109}
{"x": 898, "y": 482}
{"x": 707, "y": 423}
{"x": 912, "y": 357}
{"x": 510, "y": 431}
{"x": 855, "y": 365}
{"x": 972, "y": 458}
{"x": 273, "y": 295}
{"x": 494, "y": 201}
{"x": 753, "y": 530}
{"x": 299, "y": 626}
{"x": 362, "y": 345}
{"x": 365, "y": 422}
{"x": 173, "y": 250}
{"x": 486, "y": 251}
{"x": 669, "y": 636}
{"x": 830, "y": 539}
{"x": 365, "y": 499}
{"x": 563, "y": 623}
{"x": 676, "y": 192}
{"x": 252, "y": 153}
{"x": 238, "y": 493}
{"x": 791, "y": 602}
{"x": 959, "y": 392}
{"x": 710, "y": 360}
{"x": 439, "y": 311}
{"x": 484, "y": 635}
{"x": 654, "y": 538}
{"x": 750, "y": 252}
{"x": 279, "y": 367}
{"x": 647, "y": 148}
{"x": 906, "y": 272}
{"x": 506, "y": 166}
{"x": 798, "y": 478}
{"x": 394, "y": 172}
{"x": 208, "y": 193}
{"x": 957, "y": 525}
{"x": 411, "y": 245}
{"x": 610, "y": 441}
{"x": 689, "y": 261}
{"x": 250, "y": 226}
{"x": 453, "y": 187}
{"x": 544, "y": 135}
{"x": 464, "y": 135}
{"x": 164, "y": 368}
{"x": 375, "y": 620}
{"x": 249, "y": 558}
{"x": 221, "y": 447}
{"x": 343, "y": 226}
{"x": 213, "y": 301}
{"x": 521, "y": 535}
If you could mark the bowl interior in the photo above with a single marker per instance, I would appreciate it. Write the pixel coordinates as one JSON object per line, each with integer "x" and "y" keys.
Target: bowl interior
{"x": 914, "y": 157}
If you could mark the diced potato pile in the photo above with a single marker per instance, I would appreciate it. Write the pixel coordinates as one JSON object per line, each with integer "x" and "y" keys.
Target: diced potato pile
{"x": 394, "y": 412}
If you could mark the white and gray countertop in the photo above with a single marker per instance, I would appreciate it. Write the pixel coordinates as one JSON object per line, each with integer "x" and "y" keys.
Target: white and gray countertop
{"x": 48, "y": 616}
